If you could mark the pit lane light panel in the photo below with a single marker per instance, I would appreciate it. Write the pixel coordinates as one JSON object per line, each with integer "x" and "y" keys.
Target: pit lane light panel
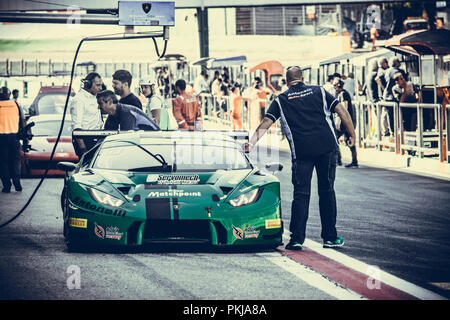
{"x": 146, "y": 13}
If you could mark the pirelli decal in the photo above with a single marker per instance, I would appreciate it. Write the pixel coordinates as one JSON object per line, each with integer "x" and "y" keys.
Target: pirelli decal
{"x": 78, "y": 223}
{"x": 273, "y": 223}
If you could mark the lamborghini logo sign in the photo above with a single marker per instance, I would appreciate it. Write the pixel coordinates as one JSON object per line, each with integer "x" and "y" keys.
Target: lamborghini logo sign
{"x": 146, "y": 7}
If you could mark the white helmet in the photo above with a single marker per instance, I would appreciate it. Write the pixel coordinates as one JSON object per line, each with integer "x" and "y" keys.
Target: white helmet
{"x": 146, "y": 82}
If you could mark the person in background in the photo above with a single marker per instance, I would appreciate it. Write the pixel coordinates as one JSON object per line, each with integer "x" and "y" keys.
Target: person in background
{"x": 329, "y": 84}
{"x": 406, "y": 91}
{"x": 122, "y": 87}
{"x": 349, "y": 84}
{"x": 346, "y": 100}
{"x": 84, "y": 111}
{"x": 236, "y": 107}
{"x": 381, "y": 81}
{"x": 186, "y": 109}
{"x": 10, "y": 124}
{"x": 373, "y": 36}
{"x": 201, "y": 83}
{"x": 156, "y": 108}
{"x": 262, "y": 92}
{"x": 15, "y": 94}
{"x": 440, "y": 23}
{"x": 394, "y": 64}
{"x": 372, "y": 85}
{"x": 282, "y": 84}
{"x": 122, "y": 116}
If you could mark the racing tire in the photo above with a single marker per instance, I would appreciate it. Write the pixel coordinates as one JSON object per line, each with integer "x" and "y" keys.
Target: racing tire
{"x": 73, "y": 244}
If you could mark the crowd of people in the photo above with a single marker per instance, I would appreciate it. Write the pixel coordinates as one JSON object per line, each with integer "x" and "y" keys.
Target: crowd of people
{"x": 150, "y": 110}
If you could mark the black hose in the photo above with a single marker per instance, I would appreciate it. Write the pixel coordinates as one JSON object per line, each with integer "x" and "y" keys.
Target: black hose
{"x": 54, "y": 148}
{"x": 98, "y": 38}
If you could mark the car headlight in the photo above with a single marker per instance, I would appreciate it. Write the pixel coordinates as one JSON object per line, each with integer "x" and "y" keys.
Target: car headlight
{"x": 104, "y": 198}
{"x": 245, "y": 198}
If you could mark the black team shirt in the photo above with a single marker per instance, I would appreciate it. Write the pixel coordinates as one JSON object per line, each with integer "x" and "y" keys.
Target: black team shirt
{"x": 132, "y": 100}
{"x": 305, "y": 115}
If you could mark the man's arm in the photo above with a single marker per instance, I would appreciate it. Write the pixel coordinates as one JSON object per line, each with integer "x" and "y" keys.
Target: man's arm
{"x": 342, "y": 112}
{"x": 177, "y": 104}
{"x": 156, "y": 114}
{"x": 77, "y": 110}
{"x": 260, "y": 131}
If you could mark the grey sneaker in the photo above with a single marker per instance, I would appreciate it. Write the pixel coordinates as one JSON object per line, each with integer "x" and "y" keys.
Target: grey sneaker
{"x": 339, "y": 242}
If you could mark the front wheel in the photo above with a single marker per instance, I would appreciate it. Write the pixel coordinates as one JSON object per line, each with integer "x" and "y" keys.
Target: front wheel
{"x": 72, "y": 243}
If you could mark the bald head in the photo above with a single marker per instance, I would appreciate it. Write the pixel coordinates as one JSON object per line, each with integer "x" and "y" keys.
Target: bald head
{"x": 294, "y": 75}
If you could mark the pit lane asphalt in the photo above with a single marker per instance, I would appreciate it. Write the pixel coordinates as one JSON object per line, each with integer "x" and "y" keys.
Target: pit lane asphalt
{"x": 396, "y": 221}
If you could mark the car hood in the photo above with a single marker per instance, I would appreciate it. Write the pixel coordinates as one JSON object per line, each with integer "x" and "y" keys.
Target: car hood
{"x": 220, "y": 184}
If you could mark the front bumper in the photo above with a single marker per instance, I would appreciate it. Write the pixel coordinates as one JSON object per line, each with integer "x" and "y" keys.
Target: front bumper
{"x": 91, "y": 222}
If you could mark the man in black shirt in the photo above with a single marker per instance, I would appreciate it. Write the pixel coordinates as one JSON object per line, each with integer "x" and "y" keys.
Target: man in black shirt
{"x": 305, "y": 114}
{"x": 122, "y": 116}
{"x": 372, "y": 85}
{"x": 121, "y": 84}
{"x": 344, "y": 97}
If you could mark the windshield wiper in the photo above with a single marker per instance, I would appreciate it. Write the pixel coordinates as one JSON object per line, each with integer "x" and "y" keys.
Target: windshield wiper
{"x": 152, "y": 169}
{"x": 158, "y": 157}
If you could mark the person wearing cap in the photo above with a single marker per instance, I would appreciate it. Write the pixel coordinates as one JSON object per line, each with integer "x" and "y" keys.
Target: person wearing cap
{"x": 186, "y": 109}
{"x": 155, "y": 109}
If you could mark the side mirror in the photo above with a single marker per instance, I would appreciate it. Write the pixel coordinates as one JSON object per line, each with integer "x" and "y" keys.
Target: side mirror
{"x": 66, "y": 166}
{"x": 274, "y": 167}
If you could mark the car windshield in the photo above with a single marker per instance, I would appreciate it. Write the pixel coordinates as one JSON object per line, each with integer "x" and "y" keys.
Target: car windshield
{"x": 51, "y": 128}
{"x": 179, "y": 157}
{"x": 52, "y": 104}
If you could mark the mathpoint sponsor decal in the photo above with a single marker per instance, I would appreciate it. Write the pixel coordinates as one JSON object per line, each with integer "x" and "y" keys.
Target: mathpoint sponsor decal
{"x": 173, "y": 193}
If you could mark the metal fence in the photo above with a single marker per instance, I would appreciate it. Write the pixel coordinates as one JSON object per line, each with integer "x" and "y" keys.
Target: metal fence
{"x": 426, "y": 140}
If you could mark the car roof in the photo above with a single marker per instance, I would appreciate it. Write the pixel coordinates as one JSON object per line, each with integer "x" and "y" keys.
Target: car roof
{"x": 164, "y": 137}
{"x": 54, "y": 89}
{"x": 48, "y": 117}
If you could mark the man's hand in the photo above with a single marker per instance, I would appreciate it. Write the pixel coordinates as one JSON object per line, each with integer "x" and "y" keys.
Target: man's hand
{"x": 351, "y": 141}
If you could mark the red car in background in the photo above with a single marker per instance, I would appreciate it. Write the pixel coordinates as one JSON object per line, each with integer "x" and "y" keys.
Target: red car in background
{"x": 45, "y": 133}
{"x": 50, "y": 100}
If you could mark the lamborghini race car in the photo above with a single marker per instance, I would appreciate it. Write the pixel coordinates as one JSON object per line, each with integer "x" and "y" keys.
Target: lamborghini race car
{"x": 139, "y": 187}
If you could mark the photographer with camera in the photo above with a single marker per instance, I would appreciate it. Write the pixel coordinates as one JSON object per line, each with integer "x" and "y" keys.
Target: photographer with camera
{"x": 11, "y": 122}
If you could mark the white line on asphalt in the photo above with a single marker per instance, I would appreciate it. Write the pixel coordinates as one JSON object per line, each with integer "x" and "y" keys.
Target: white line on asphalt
{"x": 313, "y": 278}
{"x": 366, "y": 269}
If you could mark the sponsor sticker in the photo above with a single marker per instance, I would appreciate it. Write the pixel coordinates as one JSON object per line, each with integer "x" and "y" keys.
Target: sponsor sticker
{"x": 173, "y": 178}
{"x": 238, "y": 233}
{"x": 110, "y": 233}
{"x": 99, "y": 231}
{"x": 251, "y": 232}
{"x": 173, "y": 194}
{"x": 273, "y": 223}
{"x": 113, "y": 233}
{"x": 78, "y": 223}
{"x": 98, "y": 209}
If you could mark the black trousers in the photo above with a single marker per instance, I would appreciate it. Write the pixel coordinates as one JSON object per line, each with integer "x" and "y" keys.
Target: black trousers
{"x": 302, "y": 170}
{"x": 9, "y": 159}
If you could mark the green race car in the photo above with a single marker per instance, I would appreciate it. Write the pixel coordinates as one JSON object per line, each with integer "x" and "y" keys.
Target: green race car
{"x": 139, "y": 187}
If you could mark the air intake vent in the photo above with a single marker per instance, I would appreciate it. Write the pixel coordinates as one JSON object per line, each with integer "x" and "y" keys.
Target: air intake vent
{"x": 226, "y": 190}
{"x": 124, "y": 190}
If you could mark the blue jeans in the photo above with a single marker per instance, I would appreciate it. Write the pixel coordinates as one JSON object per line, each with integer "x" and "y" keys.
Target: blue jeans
{"x": 302, "y": 170}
